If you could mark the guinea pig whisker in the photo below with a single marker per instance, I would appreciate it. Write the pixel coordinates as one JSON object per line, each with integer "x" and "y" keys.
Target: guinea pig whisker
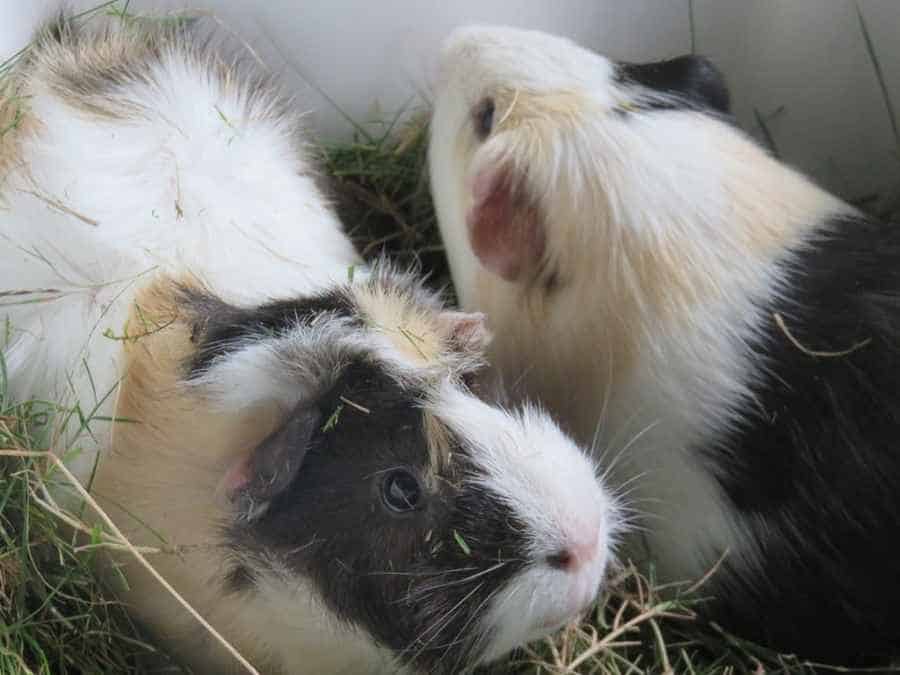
{"x": 303, "y": 547}
{"x": 621, "y": 431}
{"x": 470, "y": 578}
{"x": 414, "y": 595}
{"x": 441, "y": 623}
{"x": 423, "y": 593}
{"x": 420, "y": 574}
{"x": 630, "y": 481}
{"x": 621, "y": 453}
{"x": 427, "y": 590}
{"x": 518, "y": 381}
{"x": 473, "y": 615}
{"x": 464, "y": 655}
{"x": 604, "y": 409}
{"x": 479, "y": 644}
{"x": 629, "y": 513}
{"x": 632, "y": 525}
{"x": 629, "y": 501}
{"x": 595, "y": 437}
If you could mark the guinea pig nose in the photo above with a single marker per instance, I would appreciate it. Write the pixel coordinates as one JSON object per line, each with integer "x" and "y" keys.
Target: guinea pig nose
{"x": 573, "y": 556}
{"x": 561, "y": 560}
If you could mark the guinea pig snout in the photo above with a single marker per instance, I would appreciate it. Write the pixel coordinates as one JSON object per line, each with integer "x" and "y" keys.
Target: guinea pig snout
{"x": 580, "y": 562}
{"x": 577, "y": 552}
{"x": 582, "y": 559}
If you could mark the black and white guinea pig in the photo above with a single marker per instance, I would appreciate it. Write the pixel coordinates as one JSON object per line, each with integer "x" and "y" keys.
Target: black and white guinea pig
{"x": 719, "y": 326}
{"x": 326, "y": 490}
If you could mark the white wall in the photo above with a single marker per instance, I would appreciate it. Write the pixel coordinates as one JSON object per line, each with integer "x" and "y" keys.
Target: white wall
{"x": 805, "y": 55}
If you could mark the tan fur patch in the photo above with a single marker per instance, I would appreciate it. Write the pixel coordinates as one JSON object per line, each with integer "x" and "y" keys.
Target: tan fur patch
{"x": 517, "y": 107}
{"x": 412, "y": 330}
{"x": 438, "y": 438}
{"x": 161, "y": 476}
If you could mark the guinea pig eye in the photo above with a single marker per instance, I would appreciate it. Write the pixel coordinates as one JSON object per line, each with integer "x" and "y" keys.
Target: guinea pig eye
{"x": 484, "y": 118}
{"x": 401, "y": 492}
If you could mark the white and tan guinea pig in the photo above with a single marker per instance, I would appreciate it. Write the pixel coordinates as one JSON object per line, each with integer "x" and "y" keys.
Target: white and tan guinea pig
{"x": 340, "y": 500}
{"x": 722, "y": 329}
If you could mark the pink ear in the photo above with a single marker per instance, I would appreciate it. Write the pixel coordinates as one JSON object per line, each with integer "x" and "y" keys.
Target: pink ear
{"x": 257, "y": 478}
{"x": 505, "y": 229}
{"x": 237, "y": 478}
{"x": 467, "y": 331}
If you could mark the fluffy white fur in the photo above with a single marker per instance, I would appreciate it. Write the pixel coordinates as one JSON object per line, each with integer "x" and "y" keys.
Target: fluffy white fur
{"x": 187, "y": 176}
{"x": 554, "y": 495}
{"x": 200, "y": 180}
{"x": 665, "y": 229}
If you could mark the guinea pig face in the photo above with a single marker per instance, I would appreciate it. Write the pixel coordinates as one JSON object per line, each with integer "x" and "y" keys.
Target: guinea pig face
{"x": 448, "y": 530}
{"x": 537, "y": 143}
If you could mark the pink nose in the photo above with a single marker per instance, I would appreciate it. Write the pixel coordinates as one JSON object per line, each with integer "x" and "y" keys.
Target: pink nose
{"x": 574, "y": 555}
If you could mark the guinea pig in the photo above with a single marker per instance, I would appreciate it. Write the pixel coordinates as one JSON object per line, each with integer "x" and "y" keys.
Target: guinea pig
{"x": 721, "y": 328}
{"x": 293, "y": 432}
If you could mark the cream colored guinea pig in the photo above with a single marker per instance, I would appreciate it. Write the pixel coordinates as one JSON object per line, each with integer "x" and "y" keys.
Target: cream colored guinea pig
{"x": 724, "y": 332}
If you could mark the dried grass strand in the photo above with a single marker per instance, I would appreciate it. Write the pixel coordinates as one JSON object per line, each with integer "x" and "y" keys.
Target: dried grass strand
{"x": 813, "y": 352}
{"x": 138, "y": 555}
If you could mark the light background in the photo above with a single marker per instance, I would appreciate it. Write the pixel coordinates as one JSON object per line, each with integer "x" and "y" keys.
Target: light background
{"x": 807, "y": 57}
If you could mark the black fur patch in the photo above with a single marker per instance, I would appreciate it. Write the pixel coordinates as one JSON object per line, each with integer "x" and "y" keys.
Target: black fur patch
{"x": 685, "y": 82}
{"x": 221, "y": 328}
{"x": 418, "y": 582}
{"x": 815, "y": 467}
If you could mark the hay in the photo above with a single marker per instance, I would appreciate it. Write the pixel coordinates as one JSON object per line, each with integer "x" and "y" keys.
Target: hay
{"x": 379, "y": 183}
{"x": 56, "y": 616}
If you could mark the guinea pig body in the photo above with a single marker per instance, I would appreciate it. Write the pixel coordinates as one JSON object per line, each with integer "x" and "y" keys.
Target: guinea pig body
{"x": 301, "y": 447}
{"x": 722, "y": 330}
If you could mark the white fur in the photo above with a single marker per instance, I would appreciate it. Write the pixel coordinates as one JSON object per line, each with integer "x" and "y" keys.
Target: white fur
{"x": 549, "y": 483}
{"x": 667, "y": 229}
{"x": 279, "y": 370}
{"x": 199, "y": 183}
{"x": 197, "y": 180}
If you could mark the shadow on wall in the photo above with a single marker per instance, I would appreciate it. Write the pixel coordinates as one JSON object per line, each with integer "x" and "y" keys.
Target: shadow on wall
{"x": 801, "y": 71}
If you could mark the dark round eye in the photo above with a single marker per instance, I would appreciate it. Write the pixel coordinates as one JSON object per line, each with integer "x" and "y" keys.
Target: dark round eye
{"x": 401, "y": 492}
{"x": 484, "y": 118}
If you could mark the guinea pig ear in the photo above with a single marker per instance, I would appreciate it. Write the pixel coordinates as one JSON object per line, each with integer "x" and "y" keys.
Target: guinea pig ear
{"x": 266, "y": 472}
{"x": 466, "y": 331}
{"x": 690, "y": 77}
{"x": 506, "y": 230}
